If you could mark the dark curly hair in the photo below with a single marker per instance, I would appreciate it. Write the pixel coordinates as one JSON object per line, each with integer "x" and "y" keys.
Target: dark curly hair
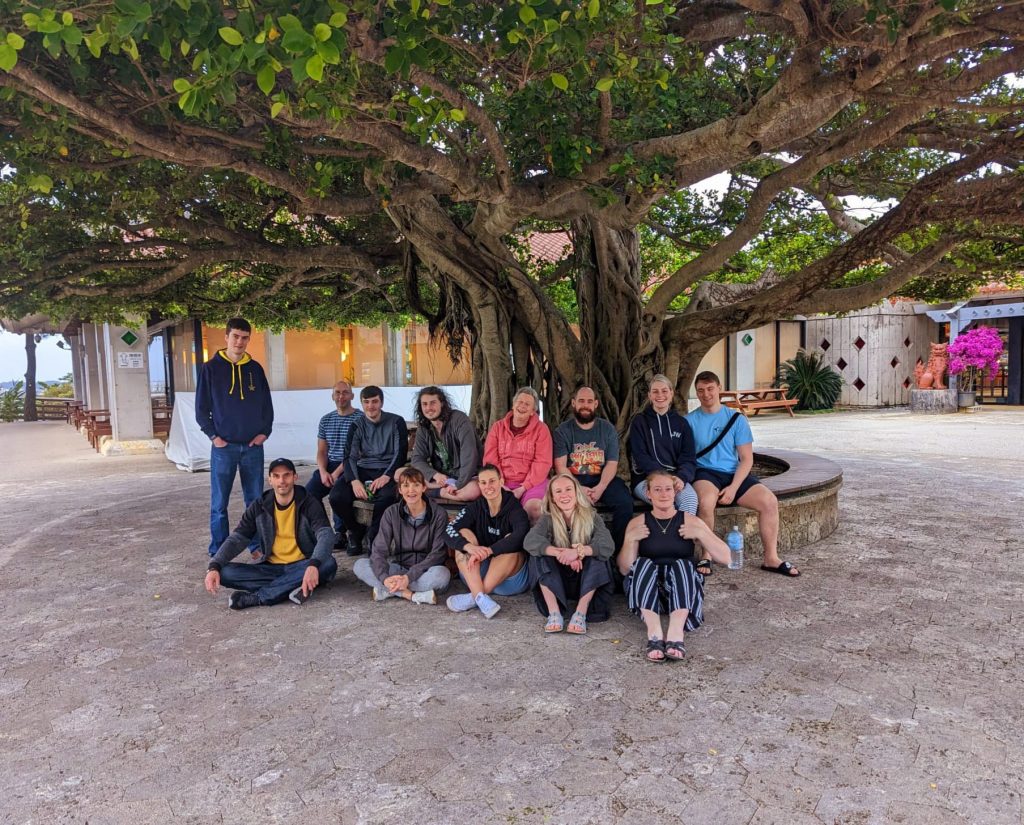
{"x": 446, "y": 405}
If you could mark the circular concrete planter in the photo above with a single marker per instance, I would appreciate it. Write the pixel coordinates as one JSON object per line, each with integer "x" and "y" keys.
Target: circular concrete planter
{"x": 807, "y": 487}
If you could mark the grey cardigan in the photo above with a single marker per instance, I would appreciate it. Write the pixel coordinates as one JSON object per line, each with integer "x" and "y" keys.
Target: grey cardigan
{"x": 541, "y": 536}
{"x": 416, "y": 548}
{"x": 463, "y": 445}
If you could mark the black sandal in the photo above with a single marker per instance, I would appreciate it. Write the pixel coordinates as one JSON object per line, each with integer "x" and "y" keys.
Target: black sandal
{"x": 653, "y": 645}
{"x": 704, "y": 567}
{"x": 678, "y": 647}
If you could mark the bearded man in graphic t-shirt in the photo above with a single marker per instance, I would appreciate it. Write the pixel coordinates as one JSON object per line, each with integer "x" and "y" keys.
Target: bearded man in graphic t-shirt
{"x": 588, "y": 447}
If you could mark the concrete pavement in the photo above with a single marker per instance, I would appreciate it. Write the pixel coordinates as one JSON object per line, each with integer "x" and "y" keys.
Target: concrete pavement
{"x": 883, "y": 686}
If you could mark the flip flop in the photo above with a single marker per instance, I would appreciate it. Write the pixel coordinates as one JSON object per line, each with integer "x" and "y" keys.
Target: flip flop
{"x": 704, "y": 567}
{"x": 783, "y": 570}
{"x": 577, "y": 620}
{"x": 678, "y": 647}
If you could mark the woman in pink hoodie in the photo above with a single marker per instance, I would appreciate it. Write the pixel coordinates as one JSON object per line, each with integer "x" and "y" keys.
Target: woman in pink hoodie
{"x": 520, "y": 445}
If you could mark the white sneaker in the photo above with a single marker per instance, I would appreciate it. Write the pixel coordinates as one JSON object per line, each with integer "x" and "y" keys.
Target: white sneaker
{"x": 381, "y": 594}
{"x": 424, "y": 597}
{"x": 461, "y": 602}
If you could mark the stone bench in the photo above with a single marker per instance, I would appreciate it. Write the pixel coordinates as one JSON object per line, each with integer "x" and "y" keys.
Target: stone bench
{"x": 807, "y": 488}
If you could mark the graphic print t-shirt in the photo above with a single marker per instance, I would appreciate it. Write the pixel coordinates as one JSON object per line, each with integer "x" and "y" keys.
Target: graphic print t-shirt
{"x": 586, "y": 451}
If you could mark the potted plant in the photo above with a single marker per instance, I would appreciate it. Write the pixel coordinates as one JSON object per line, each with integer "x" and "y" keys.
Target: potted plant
{"x": 810, "y": 379}
{"x": 972, "y": 355}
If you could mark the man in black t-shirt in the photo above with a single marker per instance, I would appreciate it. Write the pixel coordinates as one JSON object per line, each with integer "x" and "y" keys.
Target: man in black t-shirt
{"x": 588, "y": 447}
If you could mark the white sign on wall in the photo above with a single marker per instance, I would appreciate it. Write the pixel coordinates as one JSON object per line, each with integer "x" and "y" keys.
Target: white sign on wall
{"x": 129, "y": 360}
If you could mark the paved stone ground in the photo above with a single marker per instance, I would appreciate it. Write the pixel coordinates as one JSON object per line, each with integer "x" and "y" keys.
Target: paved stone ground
{"x": 882, "y": 687}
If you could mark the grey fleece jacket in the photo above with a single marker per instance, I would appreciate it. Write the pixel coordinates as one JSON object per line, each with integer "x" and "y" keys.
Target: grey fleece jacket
{"x": 541, "y": 536}
{"x": 312, "y": 530}
{"x": 380, "y": 448}
{"x": 463, "y": 445}
{"x": 416, "y": 548}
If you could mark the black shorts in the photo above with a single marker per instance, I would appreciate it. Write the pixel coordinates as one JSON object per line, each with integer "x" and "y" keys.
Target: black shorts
{"x": 722, "y": 480}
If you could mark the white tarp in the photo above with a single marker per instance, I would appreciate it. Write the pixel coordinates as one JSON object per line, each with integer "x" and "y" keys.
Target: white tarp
{"x": 296, "y": 415}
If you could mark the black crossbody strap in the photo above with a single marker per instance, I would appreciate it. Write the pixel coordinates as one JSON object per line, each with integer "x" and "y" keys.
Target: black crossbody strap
{"x": 721, "y": 435}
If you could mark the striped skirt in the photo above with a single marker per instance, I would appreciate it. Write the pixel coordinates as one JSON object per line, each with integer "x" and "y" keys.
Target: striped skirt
{"x": 666, "y": 588}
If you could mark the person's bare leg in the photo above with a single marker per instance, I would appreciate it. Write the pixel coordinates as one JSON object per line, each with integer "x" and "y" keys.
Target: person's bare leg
{"x": 653, "y": 622}
{"x": 533, "y": 510}
{"x": 500, "y": 568}
{"x": 676, "y": 631}
{"x": 762, "y": 500}
{"x": 470, "y": 574}
{"x": 549, "y": 600}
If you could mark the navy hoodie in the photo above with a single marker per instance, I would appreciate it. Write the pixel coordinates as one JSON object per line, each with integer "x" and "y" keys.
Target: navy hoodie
{"x": 233, "y": 400}
{"x": 661, "y": 442}
{"x": 503, "y": 533}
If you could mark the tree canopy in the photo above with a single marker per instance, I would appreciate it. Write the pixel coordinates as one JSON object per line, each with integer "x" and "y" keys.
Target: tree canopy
{"x": 320, "y": 162}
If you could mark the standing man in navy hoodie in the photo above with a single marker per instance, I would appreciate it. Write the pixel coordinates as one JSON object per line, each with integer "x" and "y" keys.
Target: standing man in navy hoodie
{"x": 661, "y": 439}
{"x": 235, "y": 410}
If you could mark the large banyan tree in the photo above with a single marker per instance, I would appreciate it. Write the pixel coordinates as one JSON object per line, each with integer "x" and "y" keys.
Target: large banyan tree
{"x": 322, "y": 160}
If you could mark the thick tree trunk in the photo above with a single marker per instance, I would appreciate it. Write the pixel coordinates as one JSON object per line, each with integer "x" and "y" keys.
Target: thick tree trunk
{"x": 31, "y": 413}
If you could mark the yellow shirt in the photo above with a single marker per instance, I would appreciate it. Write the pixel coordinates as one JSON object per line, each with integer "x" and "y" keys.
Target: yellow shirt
{"x": 286, "y": 548}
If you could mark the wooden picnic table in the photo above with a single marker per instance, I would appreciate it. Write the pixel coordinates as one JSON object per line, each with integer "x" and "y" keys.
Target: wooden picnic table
{"x": 756, "y": 400}
{"x": 97, "y": 425}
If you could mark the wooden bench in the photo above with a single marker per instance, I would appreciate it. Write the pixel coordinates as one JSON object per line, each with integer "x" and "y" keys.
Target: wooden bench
{"x": 772, "y": 398}
{"x": 52, "y": 409}
{"x": 162, "y": 412}
{"x": 97, "y": 424}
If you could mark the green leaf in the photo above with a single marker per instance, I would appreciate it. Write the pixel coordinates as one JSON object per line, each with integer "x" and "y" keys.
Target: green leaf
{"x": 184, "y": 47}
{"x": 266, "y": 78}
{"x": 560, "y": 81}
{"x": 15, "y": 41}
{"x": 72, "y": 36}
{"x": 288, "y": 22}
{"x": 233, "y": 37}
{"x": 31, "y": 20}
{"x": 321, "y": 31}
{"x": 67, "y": 18}
{"x": 297, "y": 41}
{"x": 40, "y": 183}
{"x": 8, "y": 57}
{"x": 593, "y": 9}
{"x": 338, "y": 19}
{"x": 315, "y": 67}
{"x": 527, "y": 14}
{"x": 457, "y": 115}
{"x": 394, "y": 59}
{"x": 181, "y": 85}
{"x": 329, "y": 52}
{"x": 655, "y": 2}
{"x": 275, "y": 110}
{"x": 604, "y": 84}
{"x": 49, "y": 27}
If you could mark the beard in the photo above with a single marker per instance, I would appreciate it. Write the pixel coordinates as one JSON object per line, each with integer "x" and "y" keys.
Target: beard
{"x": 585, "y": 416}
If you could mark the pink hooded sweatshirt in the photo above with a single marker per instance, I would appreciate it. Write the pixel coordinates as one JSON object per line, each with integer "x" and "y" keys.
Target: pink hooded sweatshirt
{"x": 523, "y": 459}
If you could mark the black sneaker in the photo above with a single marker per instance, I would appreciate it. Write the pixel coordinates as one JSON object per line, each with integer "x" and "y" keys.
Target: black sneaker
{"x": 340, "y": 542}
{"x": 355, "y": 546}
{"x": 297, "y": 596}
{"x": 239, "y": 600}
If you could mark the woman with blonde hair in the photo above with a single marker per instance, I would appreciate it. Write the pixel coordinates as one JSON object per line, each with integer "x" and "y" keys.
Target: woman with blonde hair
{"x": 569, "y": 552}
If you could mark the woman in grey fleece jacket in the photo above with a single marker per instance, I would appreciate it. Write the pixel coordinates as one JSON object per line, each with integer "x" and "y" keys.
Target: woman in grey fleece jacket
{"x": 408, "y": 554}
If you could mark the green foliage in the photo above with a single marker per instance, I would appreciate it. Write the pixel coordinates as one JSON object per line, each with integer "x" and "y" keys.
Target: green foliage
{"x": 808, "y": 378}
{"x": 62, "y": 388}
{"x": 12, "y": 402}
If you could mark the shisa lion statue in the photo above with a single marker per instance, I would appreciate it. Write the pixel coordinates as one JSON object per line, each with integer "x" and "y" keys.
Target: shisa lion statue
{"x": 929, "y": 376}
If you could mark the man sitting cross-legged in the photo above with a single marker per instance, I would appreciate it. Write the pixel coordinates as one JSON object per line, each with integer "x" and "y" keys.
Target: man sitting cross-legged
{"x": 723, "y": 471}
{"x": 447, "y": 449}
{"x": 296, "y": 540}
{"x": 376, "y": 450}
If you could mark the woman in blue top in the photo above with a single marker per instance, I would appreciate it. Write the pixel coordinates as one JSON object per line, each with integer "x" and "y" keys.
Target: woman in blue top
{"x": 658, "y": 560}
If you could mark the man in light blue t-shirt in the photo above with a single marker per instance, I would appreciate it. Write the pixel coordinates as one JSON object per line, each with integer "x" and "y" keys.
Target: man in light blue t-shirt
{"x": 723, "y": 472}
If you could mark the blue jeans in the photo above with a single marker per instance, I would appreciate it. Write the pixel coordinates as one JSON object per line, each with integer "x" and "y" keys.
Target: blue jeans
{"x": 272, "y": 582}
{"x": 315, "y": 487}
{"x": 433, "y": 578}
{"x": 224, "y": 462}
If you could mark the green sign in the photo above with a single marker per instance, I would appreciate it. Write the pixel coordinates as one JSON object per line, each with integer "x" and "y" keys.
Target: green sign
{"x": 747, "y": 339}
{"x": 129, "y": 337}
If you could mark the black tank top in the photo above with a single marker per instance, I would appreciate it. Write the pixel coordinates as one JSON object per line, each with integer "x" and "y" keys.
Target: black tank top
{"x": 664, "y": 544}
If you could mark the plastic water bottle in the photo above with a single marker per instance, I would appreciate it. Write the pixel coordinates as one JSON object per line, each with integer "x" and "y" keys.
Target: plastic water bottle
{"x": 735, "y": 542}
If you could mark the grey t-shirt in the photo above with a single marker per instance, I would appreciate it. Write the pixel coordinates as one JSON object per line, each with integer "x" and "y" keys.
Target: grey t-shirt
{"x": 586, "y": 451}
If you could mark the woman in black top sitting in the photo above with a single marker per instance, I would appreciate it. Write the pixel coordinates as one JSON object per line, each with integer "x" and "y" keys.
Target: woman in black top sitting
{"x": 657, "y": 559}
